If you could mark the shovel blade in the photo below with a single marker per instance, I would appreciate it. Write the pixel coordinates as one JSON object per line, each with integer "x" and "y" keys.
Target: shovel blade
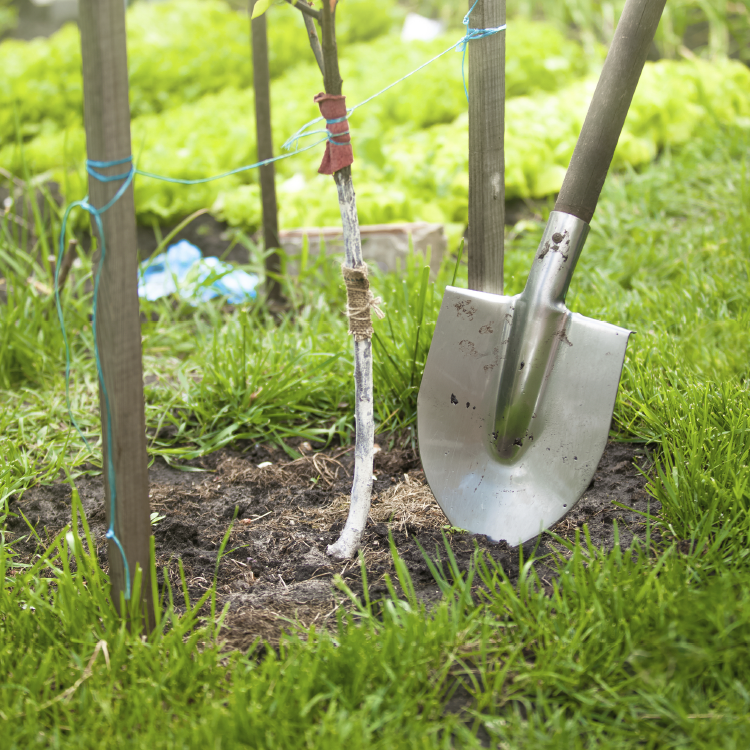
{"x": 456, "y": 410}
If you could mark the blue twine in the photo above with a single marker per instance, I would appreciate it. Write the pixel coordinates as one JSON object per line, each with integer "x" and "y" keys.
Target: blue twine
{"x": 96, "y": 213}
{"x": 127, "y": 177}
{"x": 471, "y": 35}
{"x": 92, "y": 168}
{"x": 331, "y": 135}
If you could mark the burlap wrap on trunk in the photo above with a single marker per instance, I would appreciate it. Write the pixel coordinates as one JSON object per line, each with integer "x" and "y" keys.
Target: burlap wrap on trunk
{"x": 359, "y": 301}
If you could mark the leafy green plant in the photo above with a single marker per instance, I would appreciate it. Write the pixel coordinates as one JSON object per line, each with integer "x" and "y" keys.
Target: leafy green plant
{"x": 184, "y": 139}
{"x": 177, "y": 52}
{"x": 406, "y": 173}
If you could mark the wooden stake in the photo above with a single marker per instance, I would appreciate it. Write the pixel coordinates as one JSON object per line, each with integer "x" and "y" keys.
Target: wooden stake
{"x": 487, "y": 149}
{"x": 264, "y": 140}
{"x": 107, "y": 120}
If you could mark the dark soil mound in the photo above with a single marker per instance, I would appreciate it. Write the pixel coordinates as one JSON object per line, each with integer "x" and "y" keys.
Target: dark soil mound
{"x": 275, "y": 568}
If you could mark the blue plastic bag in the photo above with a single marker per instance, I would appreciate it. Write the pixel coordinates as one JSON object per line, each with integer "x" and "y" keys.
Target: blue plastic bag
{"x": 183, "y": 270}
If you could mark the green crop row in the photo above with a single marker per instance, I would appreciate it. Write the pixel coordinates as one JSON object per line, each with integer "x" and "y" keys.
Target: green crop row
{"x": 192, "y": 141}
{"x": 177, "y": 52}
{"x": 422, "y": 175}
{"x": 410, "y": 143}
{"x": 410, "y": 174}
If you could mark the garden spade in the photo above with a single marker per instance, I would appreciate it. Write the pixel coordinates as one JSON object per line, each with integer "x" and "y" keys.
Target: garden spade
{"x": 517, "y": 396}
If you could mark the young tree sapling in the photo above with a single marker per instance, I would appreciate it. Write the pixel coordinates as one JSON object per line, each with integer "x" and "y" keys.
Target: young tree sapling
{"x": 360, "y": 301}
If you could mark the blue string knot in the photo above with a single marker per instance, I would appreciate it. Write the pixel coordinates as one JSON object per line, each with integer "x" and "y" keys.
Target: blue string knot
{"x": 471, "y": 35}
{"x": 331, "y": 136}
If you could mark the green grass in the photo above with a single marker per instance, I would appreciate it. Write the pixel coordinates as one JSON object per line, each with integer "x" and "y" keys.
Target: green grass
{"x": 629, "y": 650}
{"x": 667, "y": 257}
{"x": 212, "y": 378}
{"x": 645, "y": 648}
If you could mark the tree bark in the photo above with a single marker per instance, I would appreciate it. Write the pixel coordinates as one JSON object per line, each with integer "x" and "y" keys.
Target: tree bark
{"x": 359, "y": 508}
{"x": 312, "y": 35}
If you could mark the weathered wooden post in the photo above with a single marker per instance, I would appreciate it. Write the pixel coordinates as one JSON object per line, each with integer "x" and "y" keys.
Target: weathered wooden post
{"x": 486, "y": 149}
{"x": 264, "y": 140}
{"x": 107, "y": 122}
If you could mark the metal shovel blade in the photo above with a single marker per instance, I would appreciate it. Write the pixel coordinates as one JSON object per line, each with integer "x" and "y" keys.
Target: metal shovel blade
{"x": 514, "y": 491}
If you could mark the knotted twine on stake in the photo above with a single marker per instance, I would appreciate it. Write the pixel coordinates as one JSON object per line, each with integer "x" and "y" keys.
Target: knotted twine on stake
{"x": 359, "y": 302}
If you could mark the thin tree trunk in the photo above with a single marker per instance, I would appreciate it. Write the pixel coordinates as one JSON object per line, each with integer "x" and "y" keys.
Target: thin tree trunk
{"x": 351, "y": 536}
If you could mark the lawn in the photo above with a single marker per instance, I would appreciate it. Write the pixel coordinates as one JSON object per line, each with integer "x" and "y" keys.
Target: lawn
{"x": 619, "y": 646}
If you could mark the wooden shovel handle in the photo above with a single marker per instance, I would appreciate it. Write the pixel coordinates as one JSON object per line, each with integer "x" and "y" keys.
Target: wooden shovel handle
{"x": 601, "y": 130}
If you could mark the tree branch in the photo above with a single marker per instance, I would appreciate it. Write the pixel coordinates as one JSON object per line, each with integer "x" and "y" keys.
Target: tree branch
{"x": 305, "y": 9}
{"x": 315, "y": 43}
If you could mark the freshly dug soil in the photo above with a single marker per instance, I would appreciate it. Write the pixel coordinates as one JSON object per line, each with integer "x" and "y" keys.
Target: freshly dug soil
{"x": 275, "y": 569}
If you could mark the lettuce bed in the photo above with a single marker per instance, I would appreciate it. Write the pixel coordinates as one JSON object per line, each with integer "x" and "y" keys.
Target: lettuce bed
{"x": 177, "y": 52}
{"x": 409, "y": 174}
{"x": 410, "y": 144}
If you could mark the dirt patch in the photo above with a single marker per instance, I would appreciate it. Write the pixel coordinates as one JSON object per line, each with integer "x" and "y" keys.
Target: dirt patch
{"x": 275, "y": 569}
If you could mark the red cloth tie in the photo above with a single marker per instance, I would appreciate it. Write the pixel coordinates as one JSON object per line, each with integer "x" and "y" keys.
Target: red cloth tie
{"x": 339, "y": 154}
